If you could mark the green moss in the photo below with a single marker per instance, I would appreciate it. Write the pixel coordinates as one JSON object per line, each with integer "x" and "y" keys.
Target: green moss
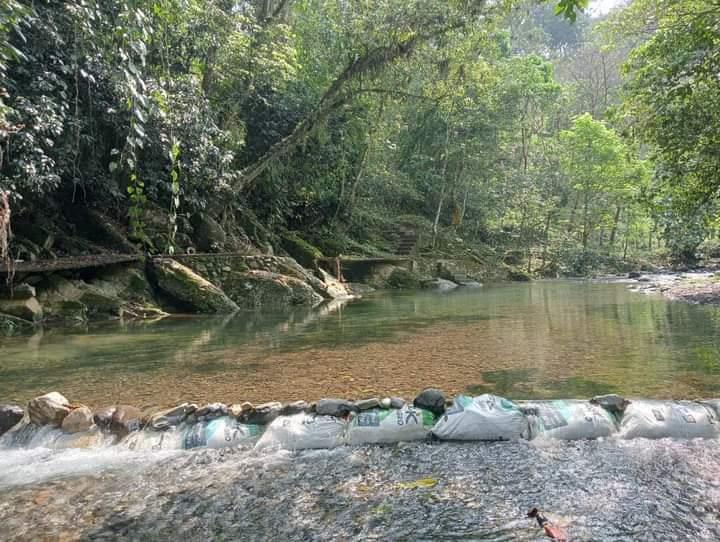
{"x": 305, "y": 253}
{"x": 403, "y": 279}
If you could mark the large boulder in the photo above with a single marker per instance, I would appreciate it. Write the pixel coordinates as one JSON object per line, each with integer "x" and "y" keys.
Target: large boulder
{"x": 10, "y": 415}
{"x": 49, "y": 409}
{"x": 261, "y": 289}
{"x": 305, "y": 254}
{"x": 209, "y": 234}
{"x": 79, "y": 420}
{"x": 190, "y": 289}
{"x": 27, "y": 309}
{"x": 334, "y": 288}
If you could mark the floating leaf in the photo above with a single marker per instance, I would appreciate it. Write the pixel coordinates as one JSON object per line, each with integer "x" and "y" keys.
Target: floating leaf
{"x": 423, "y": 483}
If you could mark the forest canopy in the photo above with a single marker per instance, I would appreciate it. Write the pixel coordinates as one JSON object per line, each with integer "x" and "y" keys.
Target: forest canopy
{"x": 534, "y": 132}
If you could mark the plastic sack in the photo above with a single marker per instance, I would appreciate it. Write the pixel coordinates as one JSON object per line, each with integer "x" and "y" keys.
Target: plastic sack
{"x": 486, "y": 417}
{"x": 568, "y": 420}
{"x": 386, "y": 426}
{"x": 223, "y": 432}
{"x": 147, "y": 439}
{"x": 303, "y": 431}
{"x": 677, "y": 419}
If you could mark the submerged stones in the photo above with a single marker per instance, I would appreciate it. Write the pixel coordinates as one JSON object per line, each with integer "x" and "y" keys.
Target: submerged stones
{"x": 49, "y": 409}
{"x": 10, "y": 415}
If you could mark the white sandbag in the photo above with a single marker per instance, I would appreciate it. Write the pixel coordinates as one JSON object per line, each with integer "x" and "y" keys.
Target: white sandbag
{"x": 223, "y": 432}
{"x": 676, "y": 419}
{"x": 486, "y": 417}
{"x": 303, "y": 431}
{"x": 147, "y": 439}
{"x": 568, "y": 419}
{"x": 386, "y": 426}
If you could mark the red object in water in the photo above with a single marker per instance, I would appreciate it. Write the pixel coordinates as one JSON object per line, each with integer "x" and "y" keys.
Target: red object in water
{"x": 553, "y": 532}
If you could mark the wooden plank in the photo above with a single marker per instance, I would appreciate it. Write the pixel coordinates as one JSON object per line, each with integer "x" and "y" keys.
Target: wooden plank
{"x": 71, "y": 262}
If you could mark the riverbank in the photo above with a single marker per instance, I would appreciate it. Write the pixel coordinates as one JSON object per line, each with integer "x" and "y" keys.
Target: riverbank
{"x": 701, "y": 287}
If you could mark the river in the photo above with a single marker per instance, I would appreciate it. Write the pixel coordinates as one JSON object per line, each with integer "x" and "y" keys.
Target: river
{"x": 539, "y": 340}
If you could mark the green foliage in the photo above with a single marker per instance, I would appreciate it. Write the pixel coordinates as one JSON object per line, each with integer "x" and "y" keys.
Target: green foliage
{"x": 333, "y": 120}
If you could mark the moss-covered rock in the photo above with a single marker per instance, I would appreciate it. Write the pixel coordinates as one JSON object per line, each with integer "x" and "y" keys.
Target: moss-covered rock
{"x": 403, "y": 279}
{"x": 190, "y": 289}
{"x": 518, "y": 275}
{"x": 262, "y": 289}
{"x": 209, "y": 234}
{"x": 305, "y": 253}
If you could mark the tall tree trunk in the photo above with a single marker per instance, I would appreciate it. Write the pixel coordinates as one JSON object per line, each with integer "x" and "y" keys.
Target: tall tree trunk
{"x": 441, "y": 201}
{"x": 616, "y": 221}
{"x": 586, "y": 219}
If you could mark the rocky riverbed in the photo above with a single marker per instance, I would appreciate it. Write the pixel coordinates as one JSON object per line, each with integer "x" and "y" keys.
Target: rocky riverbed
{"x": 701, "y": 287}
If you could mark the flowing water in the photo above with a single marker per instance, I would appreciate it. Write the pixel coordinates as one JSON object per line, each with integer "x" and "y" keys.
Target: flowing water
{"x": 547, "y": 339}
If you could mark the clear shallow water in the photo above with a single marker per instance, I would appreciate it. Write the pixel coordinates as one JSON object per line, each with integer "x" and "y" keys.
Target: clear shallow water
{"x": 546, "y": 339}
{"x": 541, "y": 340}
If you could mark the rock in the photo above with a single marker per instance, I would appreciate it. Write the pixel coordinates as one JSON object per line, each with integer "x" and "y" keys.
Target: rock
{"x": 10, "y": 415}
{"x": 367, "y": 404}
{"x": 302, "y": 251}
{"x": 386, "y": 403}
{"x": 126, "y": 419}
{"x": 79, "y": 420}
{"x": 119, "y": 419}
{"x": 190, "y": 289}
{"x": 358, "y": 288}
{"x": 442, "y": 285}
{"x": 48, "y": 409}
{"x": 335, "y": 407}
{"x": 334, "y": 288}
{"x": 516, "y": 275}
{"x": 212, "y": 410}
{"x": 634, "y": 275}
{"x": 209, "y": 234}
{"x": 470, "y": 284}
{"x": 262, "y": 414}
{"x": 171, "y": 417}
{"x": 235, "y": 410}
{"x": 397, "y": 402}
{"x": 99, "y": 302}
{"x": 296, "y": 407}
{"x": 611, "y": 402}
{"x": 17, "y": 291}
{"x": 403, "y": 279}
{"x": 72, "y": 310}
{"x": 262, "y": 289}
{"x": 98, "y": 228}
{"x": 26, "y": 309}
{"x": 644, "y": 279}
{"x": 431, "y": 399}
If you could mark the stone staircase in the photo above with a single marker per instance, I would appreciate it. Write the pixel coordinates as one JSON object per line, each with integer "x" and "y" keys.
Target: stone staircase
{"x": 405, "y": 241}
